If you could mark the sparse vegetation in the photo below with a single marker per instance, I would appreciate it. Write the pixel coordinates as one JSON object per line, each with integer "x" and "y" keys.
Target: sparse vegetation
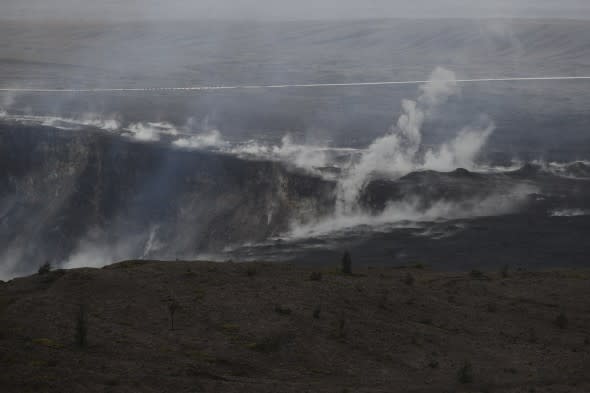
{"x": 384, "y": 302}
{"x": 283, "y": 310}
{"x": 173, "y": 306}
{"x": 315, "y": 276}
{"x": 346, "y": 263}
{"x": 465, "y": 374}
{"x": 316, "y": 312}
{"x": 561, "y": 321}
{"x": 533, "y": 339}
{"x": 272, "y": 343}
{"x": 239, "y": 329}
{"x": 426, "y": 321}
{"x": 409, "y": 279}
{"x": 82, "y": 327}
{"x": 339, "y": 332}
{"x": 230, "y": 328}
{"x": 505, "y": 271}
{"x": 45, "y": 268}
{"x": 46, "y": 342}
{"x": 477, "y": 274}
{"x": 251, "y": 271}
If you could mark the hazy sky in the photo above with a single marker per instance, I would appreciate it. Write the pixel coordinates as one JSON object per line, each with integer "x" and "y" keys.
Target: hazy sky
{"x": 287, "y": 9}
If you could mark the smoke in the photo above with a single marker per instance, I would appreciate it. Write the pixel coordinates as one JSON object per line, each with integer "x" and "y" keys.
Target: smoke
{"x": 398, "y": 152}
{"x": 198, "y": 10}
{"x": 150, "y": 132}
{"x": 210, "y": 139}
{"x": 308, "y": 157}
{"x": 6, "y": 102}
{"x": 152, "y": 244}
{"x": 569, "y": 212}
{"x": 462, "y": 151}
{"x": 91, "y": 254}
{"x": 571, "y": 170}
{"x": 11, "y": 263}
{"x": 406, "y": 213}
{"x": 97, "y": 250}
{"x": 67, "y": 123}
{"x": 401, "y": 152}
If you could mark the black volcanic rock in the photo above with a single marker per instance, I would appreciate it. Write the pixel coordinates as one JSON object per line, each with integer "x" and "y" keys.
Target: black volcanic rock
{"x": 528, "y": 171}
{"x": 60, "y": 189}
{"x": 578, "y": 169}
{"x": 428, "y": 187}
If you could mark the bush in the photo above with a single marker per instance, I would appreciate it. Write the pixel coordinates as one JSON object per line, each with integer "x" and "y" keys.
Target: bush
{"x": 45, "y": 268}
{"x": 283, "y": 310}
{"x": 272, "y": 343}
{"x": 315, "y": 276}
{"x": 251, "y": 271}
{"x": 316, "y": 312}
{"x": 82, "y": 327}
{"x": 409, "y": 279}
{"x": 173, "y": 306}
{"x": 346, "y": 263}
{"x": 339, "y": 333}
{"x": 561, "y": 321}
{"x": 504, "y": 271}
{"x": 533, "y": 338}
{"x": 465, "y": 374}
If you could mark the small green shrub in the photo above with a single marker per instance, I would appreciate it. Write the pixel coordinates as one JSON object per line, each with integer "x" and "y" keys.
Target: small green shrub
{"x": 504, "y": 272}
{"x": 384, "y": 302}
{"x": 251, "y": 271}
{"x": 45, "y": 268}
{"x": 465, "y": 374}
{"x": 315, "y": 276}
{"x": 173, "y": 306}
{"x": 339, "y": 333}
{"x": 230, "y": 328}
{"x": 561, "y": 321}
{"x": 316, "y": 312}
{"x": 82, "y": 327}
{"x": 271, "y": 343}
{"x": 47, "y": 342}
{"x": 533, "y": 338}
{"x": 283, "y": 310}
{"x": 409, "y": 279}
{"x": 346, "y": 263}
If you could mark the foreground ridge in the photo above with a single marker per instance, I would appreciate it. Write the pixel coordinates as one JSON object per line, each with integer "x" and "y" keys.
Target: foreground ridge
{"x": 261, "y": 327}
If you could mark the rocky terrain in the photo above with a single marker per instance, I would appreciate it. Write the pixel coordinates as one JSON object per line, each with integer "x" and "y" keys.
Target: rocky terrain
{"x": 90, "y": 198}
{"x": 89, "y": 193}
{"x": 209, "y": 327}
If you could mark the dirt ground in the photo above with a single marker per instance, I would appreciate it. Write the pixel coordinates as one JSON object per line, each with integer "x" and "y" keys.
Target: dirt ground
{"x": 285, "y": 328}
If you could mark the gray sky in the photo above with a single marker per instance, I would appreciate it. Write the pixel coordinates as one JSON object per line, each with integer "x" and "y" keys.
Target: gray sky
{"x": 287, "y": 9}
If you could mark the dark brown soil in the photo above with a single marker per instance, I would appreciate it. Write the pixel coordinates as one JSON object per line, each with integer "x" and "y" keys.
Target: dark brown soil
{"x": 281, "y": 328}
